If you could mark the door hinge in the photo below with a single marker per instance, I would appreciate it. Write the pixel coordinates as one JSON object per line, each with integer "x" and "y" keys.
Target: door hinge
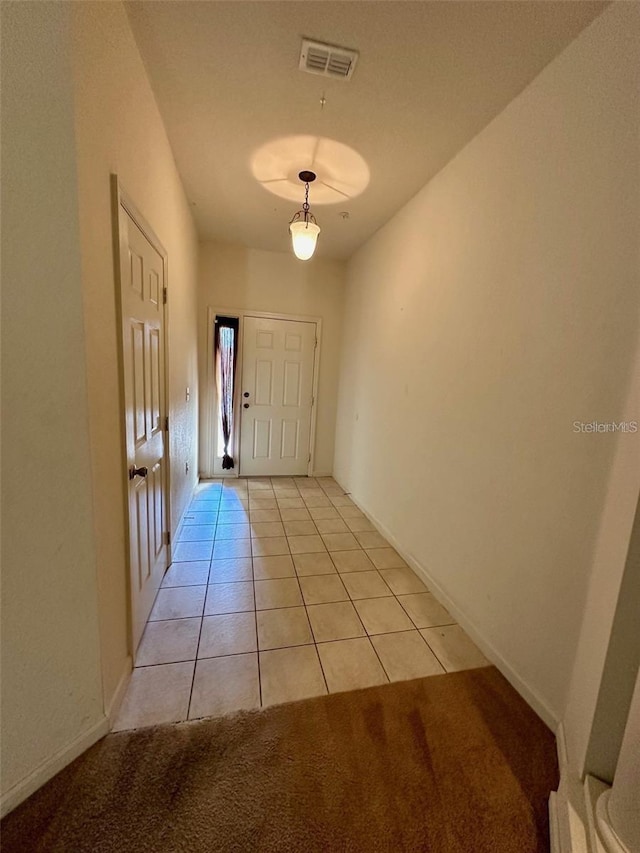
{"x": 315, "y": 346}
{"x": 309, "y": 459}
{"x": 166, "y": 424}
{"x": 167, "y": 537}
{"x": 164, "y": 295}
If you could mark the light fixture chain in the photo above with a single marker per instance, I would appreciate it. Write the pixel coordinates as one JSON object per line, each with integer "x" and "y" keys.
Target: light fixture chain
{"x": 303, "y": 227}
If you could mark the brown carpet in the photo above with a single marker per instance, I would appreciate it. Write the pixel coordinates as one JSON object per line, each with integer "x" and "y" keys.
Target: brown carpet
{"x": 450, "y": 764}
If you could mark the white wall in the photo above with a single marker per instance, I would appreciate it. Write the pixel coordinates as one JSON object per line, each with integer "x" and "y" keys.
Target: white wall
{"x": 77, "y": 106}
{"x": 51, "y": 691}
{"x": 119, "y": 129}
{"x": 234, "y": 277}
{"x": 495, "y": 309}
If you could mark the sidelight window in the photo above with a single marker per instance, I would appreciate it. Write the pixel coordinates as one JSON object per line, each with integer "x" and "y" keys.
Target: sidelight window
{"x": 225, "y": 353}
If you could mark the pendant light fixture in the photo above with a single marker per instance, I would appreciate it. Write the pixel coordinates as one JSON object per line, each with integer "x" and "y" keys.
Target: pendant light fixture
{"x": 303, "y": 227}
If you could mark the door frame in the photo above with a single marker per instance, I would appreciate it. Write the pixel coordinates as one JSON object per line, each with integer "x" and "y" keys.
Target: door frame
{"x": 121, "y": 206}
{"x": 210, "y": 421}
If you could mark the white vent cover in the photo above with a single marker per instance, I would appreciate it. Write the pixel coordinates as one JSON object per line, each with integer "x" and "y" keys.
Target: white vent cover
{"x": 329, "y": 60}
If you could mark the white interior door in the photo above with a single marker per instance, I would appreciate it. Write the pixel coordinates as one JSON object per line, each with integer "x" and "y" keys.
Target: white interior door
{"x": 277, "y": 388}
{"x": 142, "y": 283}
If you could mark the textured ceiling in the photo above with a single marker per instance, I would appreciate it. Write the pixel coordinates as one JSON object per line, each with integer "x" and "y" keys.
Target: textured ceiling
{"x": 429, "y": 77}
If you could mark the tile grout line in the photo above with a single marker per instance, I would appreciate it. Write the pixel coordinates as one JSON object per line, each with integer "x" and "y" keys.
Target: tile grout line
{"x": 351, "y": 600}
{"x": 255, "y": 599}
{"x": 255, "y": 619}
{"x": 433, "y": 652}
{"x": 366, "y": 634}
{"x": 306, "y": 611}
{"x": 204, "y": 604}
{"x": 297, "y": 577}
{"x": 280, "y": 521}
{"x": 375, "y": 651}
{"x": 246, "y": 496}
{"x": 410, "y": 617}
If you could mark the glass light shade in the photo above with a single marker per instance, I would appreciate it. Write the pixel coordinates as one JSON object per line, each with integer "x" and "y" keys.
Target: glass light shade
{"x": 303, "y": 237}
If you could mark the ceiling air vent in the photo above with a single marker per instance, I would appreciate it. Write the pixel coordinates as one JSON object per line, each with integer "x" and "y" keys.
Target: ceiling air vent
{"x": 329, "y": 60}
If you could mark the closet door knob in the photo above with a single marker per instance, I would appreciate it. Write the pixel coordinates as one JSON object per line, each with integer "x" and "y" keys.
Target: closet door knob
{"x": 137, "y": 472}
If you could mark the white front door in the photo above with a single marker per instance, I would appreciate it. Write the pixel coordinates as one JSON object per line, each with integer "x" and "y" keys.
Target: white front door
{"x": 142, "y": 282}
{"x": 277, "y": 388}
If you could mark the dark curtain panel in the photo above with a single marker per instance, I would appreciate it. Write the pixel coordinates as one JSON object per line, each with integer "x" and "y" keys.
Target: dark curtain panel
{"x": 226, "y": 354}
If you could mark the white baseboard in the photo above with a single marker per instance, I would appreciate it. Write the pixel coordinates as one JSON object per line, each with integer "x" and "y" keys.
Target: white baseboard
{"x": 112, "y": 708}
{"x": 597, "y": 822}
{"x": 567, "y": 822}
{"x": 567, "y": 825}
{"x": 25, "y": 787}
{"x": 176, "y": 533}
{"x": 554, "y": 823}
{"x": 572, "y": 809}
{"x": 528, "y": 694}
{"x": 223, "y": 475}
{"x": 235, "y": 475}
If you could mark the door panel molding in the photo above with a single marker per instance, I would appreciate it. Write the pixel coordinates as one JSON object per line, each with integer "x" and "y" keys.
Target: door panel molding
{"x": 148, "y": 497}
{"x": 209, "y": 395}
{"x": 277, "y": 380}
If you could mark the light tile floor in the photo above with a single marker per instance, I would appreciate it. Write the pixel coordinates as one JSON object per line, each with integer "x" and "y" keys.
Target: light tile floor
{"x": 282, "y": 589}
